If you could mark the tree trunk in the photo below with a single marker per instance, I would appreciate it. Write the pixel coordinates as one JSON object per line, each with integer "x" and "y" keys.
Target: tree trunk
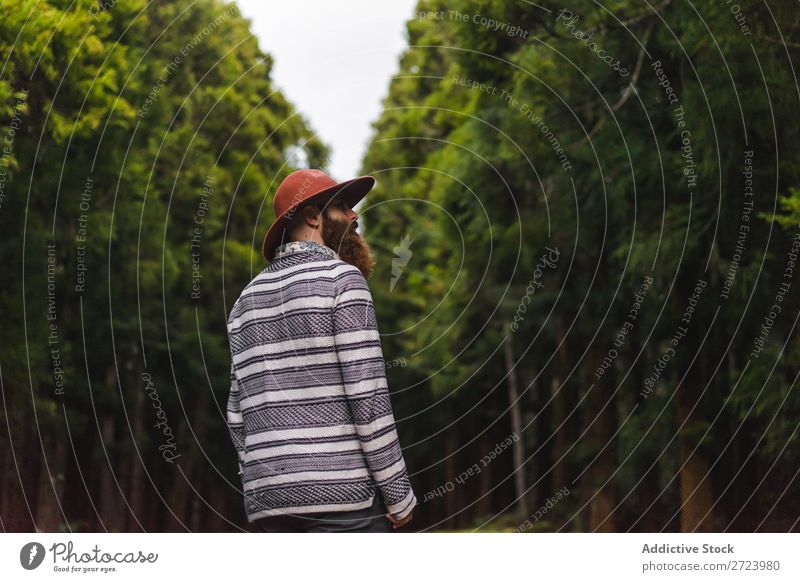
{"x": 178, "y": 499}
{"x": 197, "y": 506}
{"x": 516, "y": 428}
{"x": 484, "y": 505}
{"x": 695, "y": 480}
{"x": 219, "y": 499}
{"x": 696, "y": 496}
{"x": 110, "y": 501}
{"x": 51, "y": 490}
{"x": 197, "y": 510}
{"x": 8, "y": 486}
{"x": 560, "y": 399}
{"x": 21, "y": 475}
{"x": 137, "y": 478}
{"x": 450, "y": 505}
{"x": 602, "y": 413}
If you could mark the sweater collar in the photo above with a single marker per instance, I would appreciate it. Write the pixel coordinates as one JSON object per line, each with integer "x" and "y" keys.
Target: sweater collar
{"x": 297, "y": 246}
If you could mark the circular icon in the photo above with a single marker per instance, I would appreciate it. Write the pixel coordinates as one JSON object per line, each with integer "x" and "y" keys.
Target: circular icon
{"x": 31, "y": 555}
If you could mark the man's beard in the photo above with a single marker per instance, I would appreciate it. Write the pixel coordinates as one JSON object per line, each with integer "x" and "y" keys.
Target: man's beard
{"x": 341, "y": 236}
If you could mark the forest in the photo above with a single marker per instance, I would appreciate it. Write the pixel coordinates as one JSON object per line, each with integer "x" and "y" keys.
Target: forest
{"x": 586, "y": 227}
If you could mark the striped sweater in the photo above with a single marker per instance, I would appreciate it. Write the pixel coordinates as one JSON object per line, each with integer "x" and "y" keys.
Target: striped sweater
{"x": 309, "y": 410}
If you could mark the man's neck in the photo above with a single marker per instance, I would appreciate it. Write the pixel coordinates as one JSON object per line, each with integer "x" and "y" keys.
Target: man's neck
{"x": 313, "y": 236}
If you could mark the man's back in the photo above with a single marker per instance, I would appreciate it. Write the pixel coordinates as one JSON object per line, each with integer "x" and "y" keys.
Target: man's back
{"x": 309, "y": 409}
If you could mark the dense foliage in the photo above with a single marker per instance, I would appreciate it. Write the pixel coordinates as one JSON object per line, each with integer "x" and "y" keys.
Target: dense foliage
{"x": 592, "y": 201}
{"x": 148, "y": 137}
{"x": 584, "y": 219}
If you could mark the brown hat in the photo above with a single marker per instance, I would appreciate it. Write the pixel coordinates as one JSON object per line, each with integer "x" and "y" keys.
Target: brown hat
{"x": 303, "y": 186}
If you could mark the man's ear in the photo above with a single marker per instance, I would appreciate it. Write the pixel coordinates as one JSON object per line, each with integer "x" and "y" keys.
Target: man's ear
{"x": 312, "y": 215}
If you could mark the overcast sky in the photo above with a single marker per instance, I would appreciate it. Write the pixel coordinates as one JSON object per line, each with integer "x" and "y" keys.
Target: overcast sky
{"x": 333, "y": 61}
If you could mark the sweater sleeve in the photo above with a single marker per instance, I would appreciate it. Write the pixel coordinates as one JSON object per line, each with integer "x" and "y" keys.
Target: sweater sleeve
{"x": 235, "y": 421}
{"x": 359, "y": 352}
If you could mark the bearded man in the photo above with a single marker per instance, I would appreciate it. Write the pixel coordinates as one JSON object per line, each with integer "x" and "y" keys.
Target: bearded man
{"x": 309, "y": 410}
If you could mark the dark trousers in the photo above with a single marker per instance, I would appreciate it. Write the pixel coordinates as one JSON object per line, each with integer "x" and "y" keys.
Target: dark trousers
{"x": 372, "y": 519}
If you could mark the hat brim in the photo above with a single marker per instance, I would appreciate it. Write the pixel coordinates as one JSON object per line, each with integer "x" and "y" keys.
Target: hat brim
{"x": 352, "y": 191}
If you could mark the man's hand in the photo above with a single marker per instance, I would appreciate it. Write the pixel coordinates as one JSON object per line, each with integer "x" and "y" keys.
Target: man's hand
{"x": 399, "y": 522}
